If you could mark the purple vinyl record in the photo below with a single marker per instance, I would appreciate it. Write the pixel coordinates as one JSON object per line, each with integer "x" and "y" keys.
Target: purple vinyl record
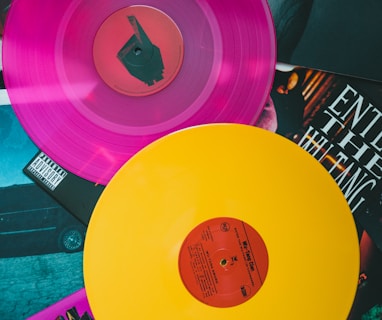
{"x": 92, "y": 83}
{"x": 75, "y": 304}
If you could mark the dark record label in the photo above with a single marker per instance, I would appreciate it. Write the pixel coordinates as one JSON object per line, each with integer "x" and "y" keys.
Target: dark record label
{"x": 223, "y": 262}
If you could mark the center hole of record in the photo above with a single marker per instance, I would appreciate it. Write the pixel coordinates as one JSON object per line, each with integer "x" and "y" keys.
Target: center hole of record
{"x": 223, "y": 262}
{"x": 137, "y": 51}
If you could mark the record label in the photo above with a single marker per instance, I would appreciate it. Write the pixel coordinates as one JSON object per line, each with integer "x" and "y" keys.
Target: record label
{"x": 149, "y": 48}
{"x": 223, "y": 262}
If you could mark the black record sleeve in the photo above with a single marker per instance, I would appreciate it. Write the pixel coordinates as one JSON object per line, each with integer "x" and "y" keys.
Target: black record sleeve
{"x": 338, "y": 120}
{"x": 74, "y": 193}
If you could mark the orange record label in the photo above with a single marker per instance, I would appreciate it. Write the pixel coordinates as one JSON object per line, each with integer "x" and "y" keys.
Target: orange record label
{"x": 223, "y": 262}
{"x": 138, "y": 50}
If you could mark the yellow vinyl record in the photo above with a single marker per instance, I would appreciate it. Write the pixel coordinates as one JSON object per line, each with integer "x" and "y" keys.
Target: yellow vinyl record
{"x": 221, "y": 221}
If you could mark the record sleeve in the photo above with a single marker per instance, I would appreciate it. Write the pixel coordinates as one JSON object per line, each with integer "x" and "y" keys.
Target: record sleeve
{"x": 337, "y": 119}
{"x": 41, "y": 242}
{"x": 73, "y": 307}
{"x": 75, "y": 194}
{"x": 330, "y": 35}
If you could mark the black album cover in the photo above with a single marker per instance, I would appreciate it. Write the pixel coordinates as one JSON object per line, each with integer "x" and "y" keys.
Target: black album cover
{"x": 75, "y": 194}
{"x": 338, "y": 120}
{"x": 340, "y": 36}
{"x": 41, "y": 243}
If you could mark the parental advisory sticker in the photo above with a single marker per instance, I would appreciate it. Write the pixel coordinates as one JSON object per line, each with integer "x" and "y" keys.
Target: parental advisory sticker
{"x": 47, "y": 171}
